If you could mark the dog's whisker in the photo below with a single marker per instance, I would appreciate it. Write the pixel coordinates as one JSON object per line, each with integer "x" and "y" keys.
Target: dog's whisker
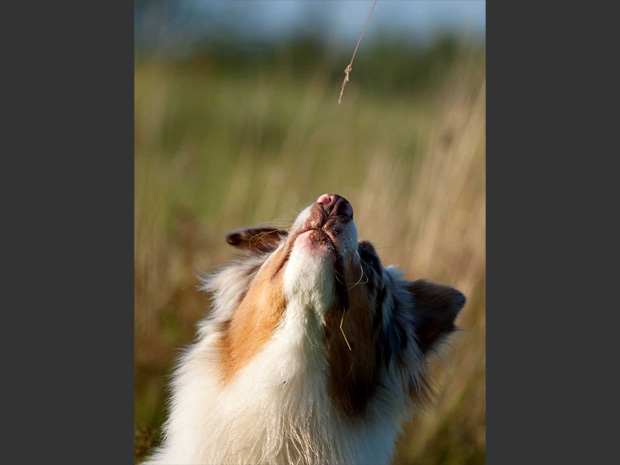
{"x": 360, "y": 280}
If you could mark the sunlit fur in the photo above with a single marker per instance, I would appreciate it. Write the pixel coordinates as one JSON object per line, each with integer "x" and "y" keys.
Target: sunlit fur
{"x": 284, "y": 388}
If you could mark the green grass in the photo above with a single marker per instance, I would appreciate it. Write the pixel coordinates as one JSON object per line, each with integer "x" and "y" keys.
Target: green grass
{"x": 216, "y": 150}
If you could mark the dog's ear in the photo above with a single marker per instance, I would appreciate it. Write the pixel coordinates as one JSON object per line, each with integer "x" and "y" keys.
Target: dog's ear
{"x": 435, "y": 308}
{"x": 265, "y": 239}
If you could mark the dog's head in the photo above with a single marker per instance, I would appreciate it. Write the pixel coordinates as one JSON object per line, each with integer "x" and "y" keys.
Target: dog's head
{"x": 374, "y": 327}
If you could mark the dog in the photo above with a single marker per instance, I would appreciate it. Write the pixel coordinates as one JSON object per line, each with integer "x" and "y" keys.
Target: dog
{"x": 313, "y": 352}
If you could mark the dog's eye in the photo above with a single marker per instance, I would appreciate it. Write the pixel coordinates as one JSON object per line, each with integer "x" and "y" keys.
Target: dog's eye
{"x": 370, "y": 259}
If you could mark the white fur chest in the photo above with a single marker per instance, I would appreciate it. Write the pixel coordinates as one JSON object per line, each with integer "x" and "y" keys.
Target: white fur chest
{"x": 276, "y": 410}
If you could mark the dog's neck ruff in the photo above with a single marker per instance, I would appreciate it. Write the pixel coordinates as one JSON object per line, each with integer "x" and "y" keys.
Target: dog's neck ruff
{"x": 277, "y": 409}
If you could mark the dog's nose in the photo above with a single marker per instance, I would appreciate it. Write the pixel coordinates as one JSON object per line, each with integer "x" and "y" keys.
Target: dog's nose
{"x": 334, "y": 204}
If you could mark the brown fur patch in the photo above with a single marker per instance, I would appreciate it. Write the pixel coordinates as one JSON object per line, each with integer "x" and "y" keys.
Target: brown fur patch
{"x": 353, "y": 374}
{"x": 254, "y": 321}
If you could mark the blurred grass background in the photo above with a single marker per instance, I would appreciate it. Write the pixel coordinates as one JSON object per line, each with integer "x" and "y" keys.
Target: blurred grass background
{"x": 233, "y": 136}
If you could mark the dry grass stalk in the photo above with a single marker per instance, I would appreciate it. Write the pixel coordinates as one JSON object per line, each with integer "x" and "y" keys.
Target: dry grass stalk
{"x": 342, "y": 331}
{"x": 349, "y": 67}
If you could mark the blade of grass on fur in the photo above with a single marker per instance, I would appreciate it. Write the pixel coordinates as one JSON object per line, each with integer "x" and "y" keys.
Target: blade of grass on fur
{"x": 349, "y": 68}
